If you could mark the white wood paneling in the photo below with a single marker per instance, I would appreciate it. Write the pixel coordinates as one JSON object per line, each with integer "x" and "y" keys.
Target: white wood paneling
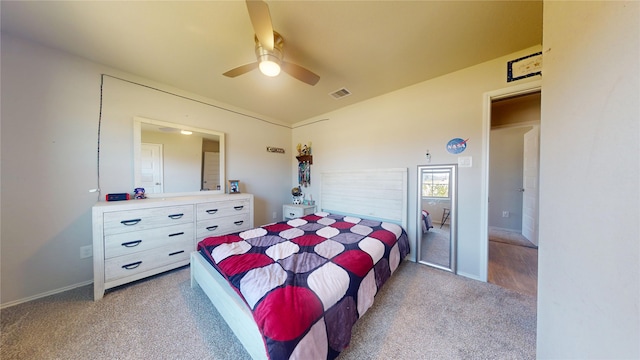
{"x": 375, "y": 193}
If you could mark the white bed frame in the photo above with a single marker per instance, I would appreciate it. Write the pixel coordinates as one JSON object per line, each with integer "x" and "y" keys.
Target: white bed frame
{"x": 375, "y": 194}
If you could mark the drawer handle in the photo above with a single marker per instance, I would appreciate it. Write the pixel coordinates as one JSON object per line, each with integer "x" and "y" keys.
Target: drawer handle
{"x": 176, "y": 253}
{"x": 212, "y": 211}
{"x": 239, "y": 207}
{"x": 130, "y": 222}
{"x": 131, "y": 243}
{"x": 211, "y": 228}
{"x": 176, "y": 216}
{"x": 132, "y": 265}
{"x": 292, "y": 214}
{"x": 239, "y": 222}
{"x": 176, "y": 234}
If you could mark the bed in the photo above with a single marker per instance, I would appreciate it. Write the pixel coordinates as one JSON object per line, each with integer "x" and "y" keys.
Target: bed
{"x": 426, "y": 221}
{"x": 294, "y": 289}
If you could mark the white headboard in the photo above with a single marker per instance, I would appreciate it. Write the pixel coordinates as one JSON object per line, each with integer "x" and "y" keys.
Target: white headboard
{"x": 379, "y": 193}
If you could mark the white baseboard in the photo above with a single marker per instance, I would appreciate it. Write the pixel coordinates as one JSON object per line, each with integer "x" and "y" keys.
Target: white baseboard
{"x": 505, "y": 229}
{"x": 470, "y": 276}
{"x": 38, "y": 296}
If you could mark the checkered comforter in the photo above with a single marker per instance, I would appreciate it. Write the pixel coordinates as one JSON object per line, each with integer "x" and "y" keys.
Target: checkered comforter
{"x": 308, "y": 280}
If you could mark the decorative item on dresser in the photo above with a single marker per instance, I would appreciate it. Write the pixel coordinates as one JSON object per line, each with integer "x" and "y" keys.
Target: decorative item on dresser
{"x": 139, "y": 238}
{"x": 234, "y": 186}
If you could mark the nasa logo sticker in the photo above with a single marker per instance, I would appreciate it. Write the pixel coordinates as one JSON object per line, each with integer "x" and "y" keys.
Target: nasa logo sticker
{"x": 457, "y": 145}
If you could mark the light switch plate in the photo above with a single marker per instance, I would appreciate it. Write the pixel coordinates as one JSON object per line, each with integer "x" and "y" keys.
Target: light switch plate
{"x": 465, "y": 161}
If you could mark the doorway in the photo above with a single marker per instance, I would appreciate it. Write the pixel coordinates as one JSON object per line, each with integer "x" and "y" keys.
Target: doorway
{"x": 512, "y": 120}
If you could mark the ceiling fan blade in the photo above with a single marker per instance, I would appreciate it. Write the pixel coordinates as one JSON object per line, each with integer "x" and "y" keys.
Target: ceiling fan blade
{"x": 241, "y": 70}
{"x": 300, "y": 73}
{"x": 261, "y": 21}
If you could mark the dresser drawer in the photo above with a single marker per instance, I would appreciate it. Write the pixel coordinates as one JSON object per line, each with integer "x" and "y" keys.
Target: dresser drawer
{"x": 140, "y": 238}
{"x": 217, "y": 209}
{"x": 133, "y": 220}
{"x": 221, "y": 226}
{"x": 133, "y": 264}
{"x": 292, "y": 211}
{"x": 136, "y": 241}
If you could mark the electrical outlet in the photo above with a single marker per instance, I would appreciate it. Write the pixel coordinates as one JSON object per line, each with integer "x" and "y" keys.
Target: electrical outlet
{"x": 505, "y": 214}
{"x": 274, "y": 215}
{"x": 86, "y": 251}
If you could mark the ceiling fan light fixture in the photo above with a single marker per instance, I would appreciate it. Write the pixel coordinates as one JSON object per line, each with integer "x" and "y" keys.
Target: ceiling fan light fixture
{"x": 269, "y": 60}
{"x": 269, "y": 67}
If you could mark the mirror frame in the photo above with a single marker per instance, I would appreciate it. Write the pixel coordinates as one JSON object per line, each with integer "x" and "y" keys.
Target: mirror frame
{"x": 137, "y": 140}
{"x": 453, "y": 236}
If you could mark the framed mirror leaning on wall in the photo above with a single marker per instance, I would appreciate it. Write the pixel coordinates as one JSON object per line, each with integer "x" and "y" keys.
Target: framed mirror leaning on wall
{"x": 437, "y": 213}
{"x": 173, "y": 159}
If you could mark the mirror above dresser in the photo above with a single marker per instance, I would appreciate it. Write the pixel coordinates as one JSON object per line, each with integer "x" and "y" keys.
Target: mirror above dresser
{"x": 173, "y": 159}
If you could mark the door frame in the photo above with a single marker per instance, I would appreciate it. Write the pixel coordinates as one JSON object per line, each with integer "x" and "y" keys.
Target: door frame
{"x": 488, "y": 97}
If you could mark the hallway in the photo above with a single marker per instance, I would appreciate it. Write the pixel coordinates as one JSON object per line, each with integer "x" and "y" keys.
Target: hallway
{"x": 512, "y": 265}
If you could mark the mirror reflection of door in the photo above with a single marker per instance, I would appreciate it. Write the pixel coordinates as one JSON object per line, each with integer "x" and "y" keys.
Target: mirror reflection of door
{"x": 182, "y": 157}
{"x": 151, "y": 173}
{"x": 437, "y": 214}
{"x": 211, "y": 171}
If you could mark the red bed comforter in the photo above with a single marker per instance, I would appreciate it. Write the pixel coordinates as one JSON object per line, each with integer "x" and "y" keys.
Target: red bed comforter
{"x": 308, "y": 280}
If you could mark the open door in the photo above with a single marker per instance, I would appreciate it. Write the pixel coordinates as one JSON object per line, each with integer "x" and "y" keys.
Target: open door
{"x": 530, "y": 184}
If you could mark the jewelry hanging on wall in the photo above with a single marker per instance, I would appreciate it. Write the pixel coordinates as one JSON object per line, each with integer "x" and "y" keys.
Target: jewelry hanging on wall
{"x": 304, "y": 173}
{"x": 304, "y": 164}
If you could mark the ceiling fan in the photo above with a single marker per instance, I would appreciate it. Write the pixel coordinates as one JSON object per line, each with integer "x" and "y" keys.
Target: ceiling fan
{"x": 269, "y": 48}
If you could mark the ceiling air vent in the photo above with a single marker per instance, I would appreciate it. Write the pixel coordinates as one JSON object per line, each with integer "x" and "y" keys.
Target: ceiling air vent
{"x": 340, "y": 93}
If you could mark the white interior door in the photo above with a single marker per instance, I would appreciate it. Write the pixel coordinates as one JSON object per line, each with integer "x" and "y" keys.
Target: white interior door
{"x": 530, "y": 171}
{"x": 151, "y": 173}
{"x": 211, "y": 171}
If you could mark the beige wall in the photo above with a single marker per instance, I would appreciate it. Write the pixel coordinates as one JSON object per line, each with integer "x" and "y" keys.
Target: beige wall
{"x": 506, "y": 152}
{"x": 54, "y": 99}
{"x": 50, "y": 111}
{"x": 589, "y": 254}
{"x": 396, "y": 130}
{"x": 588, "y": 260}
{"x": 516, "y": 110}
{"x": 246, "y": 139}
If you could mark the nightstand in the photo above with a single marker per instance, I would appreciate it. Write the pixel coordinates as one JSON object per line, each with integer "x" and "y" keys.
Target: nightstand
{"x": 292, "y": 211}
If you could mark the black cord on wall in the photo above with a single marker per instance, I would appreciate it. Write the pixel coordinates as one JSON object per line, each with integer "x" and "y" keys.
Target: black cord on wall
{"x": 99, "y": 128}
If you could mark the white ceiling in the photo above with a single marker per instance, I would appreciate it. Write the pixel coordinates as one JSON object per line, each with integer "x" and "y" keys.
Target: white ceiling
{"x": 368, "y": 47}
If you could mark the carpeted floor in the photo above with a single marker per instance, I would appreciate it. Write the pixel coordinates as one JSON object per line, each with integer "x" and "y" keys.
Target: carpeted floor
{"x": 421, "y": 313}
{"x": 436, "y": 247}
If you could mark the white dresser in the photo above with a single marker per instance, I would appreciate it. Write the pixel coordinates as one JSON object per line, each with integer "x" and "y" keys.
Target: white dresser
{"x": 138, "y": 238}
